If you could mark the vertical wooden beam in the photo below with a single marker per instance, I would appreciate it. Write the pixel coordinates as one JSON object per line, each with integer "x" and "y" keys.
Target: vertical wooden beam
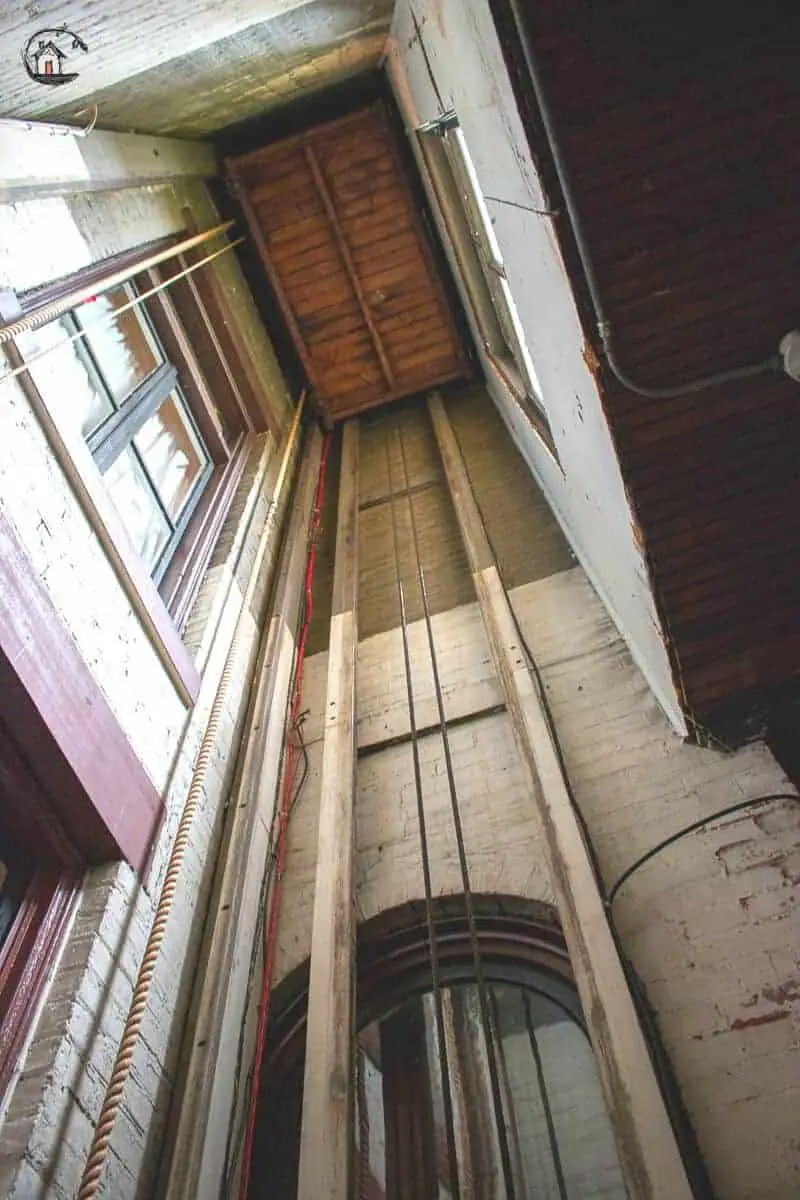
{"x": 649, "y": 1153}
{"x": 328, "y": 1092}
{"x": 349, "y": 262}
{"x": 207, "y": 1107}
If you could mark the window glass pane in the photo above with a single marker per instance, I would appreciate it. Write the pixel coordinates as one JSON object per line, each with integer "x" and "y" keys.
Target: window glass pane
{"x": 559, "y": 1136}
{"x": 125, "y": 349}
{"x": 138, "y": 507}
{"x": 73, "y": 394}
{"x": 172, "y": 454}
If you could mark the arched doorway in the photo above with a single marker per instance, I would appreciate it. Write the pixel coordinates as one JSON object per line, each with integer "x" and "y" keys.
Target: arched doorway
{"x": 556, "y": 1126}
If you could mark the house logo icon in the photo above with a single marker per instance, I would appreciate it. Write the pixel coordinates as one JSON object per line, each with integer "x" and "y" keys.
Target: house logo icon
{"x": 46, "y": 52}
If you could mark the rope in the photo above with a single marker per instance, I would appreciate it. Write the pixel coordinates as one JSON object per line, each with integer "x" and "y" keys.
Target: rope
{"x": 92, "y": 1172}
{"x": 57, "y": 308}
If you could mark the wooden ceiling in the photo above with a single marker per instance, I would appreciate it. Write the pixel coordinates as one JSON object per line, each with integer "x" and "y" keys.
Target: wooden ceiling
{"x": 342, "y": 241}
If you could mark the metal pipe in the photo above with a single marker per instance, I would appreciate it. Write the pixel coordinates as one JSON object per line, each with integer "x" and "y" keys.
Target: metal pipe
{"x": 489, "y": 1032}
{"x": 138, "y": 299}
{"x": 433, "y": 947}
{"x": 48, "y": 312}
{"x": 604, "y": 326}
{"x": 18, "y": 124}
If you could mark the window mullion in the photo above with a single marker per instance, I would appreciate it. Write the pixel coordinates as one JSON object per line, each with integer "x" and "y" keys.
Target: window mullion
{"x": 108, "y": 442}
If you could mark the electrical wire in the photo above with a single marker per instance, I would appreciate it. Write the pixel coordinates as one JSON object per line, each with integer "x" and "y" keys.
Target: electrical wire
{"x": 687, "y": 829}
{"x": 289, "y": 801}
{"x": 689, "y": 387}
{"x": 433, "y": 944}
{"x": 489, "y": 1030}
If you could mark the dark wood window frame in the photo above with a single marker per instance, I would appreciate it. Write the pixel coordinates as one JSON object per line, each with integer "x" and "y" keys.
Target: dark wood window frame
{"x": 215, "y": 375}
{"x": 72, "y": 791}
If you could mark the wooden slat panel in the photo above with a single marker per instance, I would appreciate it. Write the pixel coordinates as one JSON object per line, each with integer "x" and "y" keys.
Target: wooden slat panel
{"x": 296, "y": 233}
{"x": 402, "y": 246}
{"x": 362, "y": 249}
{"x": 325, "y": 193}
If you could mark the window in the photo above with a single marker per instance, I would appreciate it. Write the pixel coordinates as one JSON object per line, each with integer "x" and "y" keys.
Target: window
{"x": 463, "y": 209}
{"x": 149, "y": 410}
{"x": 117, "y": 387}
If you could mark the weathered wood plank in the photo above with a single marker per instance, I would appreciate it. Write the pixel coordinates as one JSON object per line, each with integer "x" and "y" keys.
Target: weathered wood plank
{"x": 327, "y": 1090}
{"x": 349, "y": 265}
{"x": 648, "y": 1150}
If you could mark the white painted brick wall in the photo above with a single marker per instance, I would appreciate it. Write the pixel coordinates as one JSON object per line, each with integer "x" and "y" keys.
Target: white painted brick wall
{"x": 711, "y": 924}
{"x": 48, "y": 1122}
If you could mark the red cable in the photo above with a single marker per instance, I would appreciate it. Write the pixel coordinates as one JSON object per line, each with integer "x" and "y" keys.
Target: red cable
{"x": 286, "y": 805}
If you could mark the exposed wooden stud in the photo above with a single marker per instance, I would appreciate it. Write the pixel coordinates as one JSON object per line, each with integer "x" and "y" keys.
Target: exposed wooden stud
{"x": 648, "y": 1149}
{"x": 350, "y": 265}
{"x": 207, "y": 1109}
{"x": 327, "y": 1090}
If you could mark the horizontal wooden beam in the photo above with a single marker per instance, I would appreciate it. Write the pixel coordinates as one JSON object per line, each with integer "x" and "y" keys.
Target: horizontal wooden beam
{"x": 35, "y": 162}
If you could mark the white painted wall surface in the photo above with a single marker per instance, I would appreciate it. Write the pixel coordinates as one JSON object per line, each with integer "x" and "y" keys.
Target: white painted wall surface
{"x": 587, "y": 494}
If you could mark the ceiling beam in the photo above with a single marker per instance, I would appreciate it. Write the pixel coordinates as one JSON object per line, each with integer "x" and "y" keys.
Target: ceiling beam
{"x": 116, "y": 49}
{"x": 349, "y": 264}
